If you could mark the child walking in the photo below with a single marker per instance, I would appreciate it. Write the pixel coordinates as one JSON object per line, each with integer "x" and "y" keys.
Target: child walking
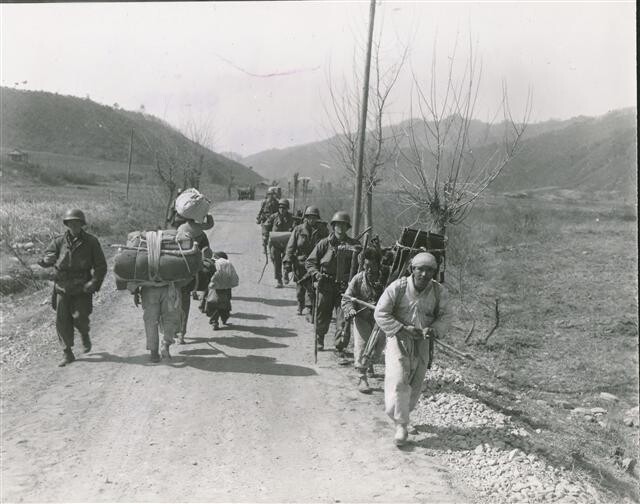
{"x": 218, "y": 305}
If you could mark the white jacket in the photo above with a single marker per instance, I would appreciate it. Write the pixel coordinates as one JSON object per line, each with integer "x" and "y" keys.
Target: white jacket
{"x": 225, "y": 276}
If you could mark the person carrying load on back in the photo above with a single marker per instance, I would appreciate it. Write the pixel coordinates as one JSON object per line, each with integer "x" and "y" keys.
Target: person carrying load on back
{"x": 218, "y": 301}
{"x": 365, "y": 286}
{"x": 327, "y": 265}
{"x": 304, "y": 237}
{"x": 156, "y": 274}
{"x": 410, "y": 311}
{"x": 80, "y": 268}
{"x": 189, "y": 228}
{"x": 280, "y": 221}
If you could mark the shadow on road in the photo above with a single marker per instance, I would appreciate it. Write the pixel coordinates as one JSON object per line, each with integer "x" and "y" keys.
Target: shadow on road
{"x": 200, "y": 351}
{"x": 247, "y": 342}
{"x": 250, "y": 316}
{"x": 269, "y": 332}
{"x": 253, "y": 364}
{"x": 270, "y": 302}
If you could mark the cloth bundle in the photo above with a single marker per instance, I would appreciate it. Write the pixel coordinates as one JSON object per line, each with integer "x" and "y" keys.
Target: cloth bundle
{"x": 192, "y": 204}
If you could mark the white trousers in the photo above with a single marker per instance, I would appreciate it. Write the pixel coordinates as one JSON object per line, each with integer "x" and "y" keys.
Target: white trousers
{"x": 161, "y": 313}
{"x": 405, "y": 369}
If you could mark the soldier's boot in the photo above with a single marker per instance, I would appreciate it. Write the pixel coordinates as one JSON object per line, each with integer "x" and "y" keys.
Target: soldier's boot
{"x": 363, "y": 384}
{"x": 165, "y": 351}
{"x": 279, "y": 284}
{"x": 286, "y": 278}
{"x": 154, "y": 356}
{"x": 180, "y": 338}
{"x": 68, "y": 358}
{"x": 300, "y": 309}
{"x": 320, "y": 342}
{"x": 401, "y": 435}
{"x": 86, "y": 342}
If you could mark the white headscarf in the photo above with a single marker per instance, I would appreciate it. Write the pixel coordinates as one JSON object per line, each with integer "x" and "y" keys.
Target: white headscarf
{"x": 424, "y": 259}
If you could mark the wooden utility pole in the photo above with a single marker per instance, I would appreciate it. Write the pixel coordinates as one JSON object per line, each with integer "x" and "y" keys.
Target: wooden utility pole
{"x": 357, "y": 203}
{"x": 129, "y": 170}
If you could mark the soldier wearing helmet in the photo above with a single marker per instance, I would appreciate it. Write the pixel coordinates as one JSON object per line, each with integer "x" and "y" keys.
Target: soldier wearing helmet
{"x": 269, "y": 205}
{"x": 304, "y": 237}
{"x": 280, "y": 221}
{"x": 322, "y": 266}
{"x": 80, "y": 268}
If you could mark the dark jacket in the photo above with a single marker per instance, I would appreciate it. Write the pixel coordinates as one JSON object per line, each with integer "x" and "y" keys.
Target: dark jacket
{"x": 303, "y": 238}
{"x": 277, "y": 222}
{"x": 77, "y": 260}
{"x": 323, "y": 256}
{"x": 269, "y": 207}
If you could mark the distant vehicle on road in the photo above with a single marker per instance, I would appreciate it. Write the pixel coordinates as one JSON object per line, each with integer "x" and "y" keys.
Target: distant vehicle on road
{"x": 246, "y": 193}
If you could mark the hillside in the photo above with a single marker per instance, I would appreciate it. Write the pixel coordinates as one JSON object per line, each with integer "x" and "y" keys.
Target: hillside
{"x": 587, "y": 153}
{"x": 64, "y": 125}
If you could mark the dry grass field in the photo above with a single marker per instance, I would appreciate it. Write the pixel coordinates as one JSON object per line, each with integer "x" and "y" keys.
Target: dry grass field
{"x": 563, "y": 269}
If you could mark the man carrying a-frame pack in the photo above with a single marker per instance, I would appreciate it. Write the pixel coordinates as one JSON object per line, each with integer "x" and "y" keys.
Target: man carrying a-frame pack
{"x": 332, "y": 263}
{"x": 365, "y": 286}
{"x": 410, "y": 311}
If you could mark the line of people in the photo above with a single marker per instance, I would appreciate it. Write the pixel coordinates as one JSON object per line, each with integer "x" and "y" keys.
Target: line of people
{"x": 410, "y": 311}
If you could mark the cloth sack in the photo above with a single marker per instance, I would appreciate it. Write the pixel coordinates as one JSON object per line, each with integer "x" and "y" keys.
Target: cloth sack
{"x": 192, "y": 204}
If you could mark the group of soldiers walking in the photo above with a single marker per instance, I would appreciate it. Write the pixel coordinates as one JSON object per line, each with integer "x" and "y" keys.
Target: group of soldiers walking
{"x": 409, "y": 312}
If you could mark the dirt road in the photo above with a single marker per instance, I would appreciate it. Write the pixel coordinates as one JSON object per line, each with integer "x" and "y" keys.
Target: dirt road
{"x": 239, "y": 415}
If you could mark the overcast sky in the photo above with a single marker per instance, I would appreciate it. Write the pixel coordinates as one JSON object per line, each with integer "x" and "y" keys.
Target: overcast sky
{"x": 258, "y": 71}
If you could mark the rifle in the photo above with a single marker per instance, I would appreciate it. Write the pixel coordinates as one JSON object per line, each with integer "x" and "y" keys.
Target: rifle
{"x": 315, "y": 327}
{"x": 450, "y": 348}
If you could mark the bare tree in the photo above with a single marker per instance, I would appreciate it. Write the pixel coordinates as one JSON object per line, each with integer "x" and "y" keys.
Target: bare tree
{"x": 440, "y": 176}
{"x": 344, "y": 111}
{"x": 201, "y": 132}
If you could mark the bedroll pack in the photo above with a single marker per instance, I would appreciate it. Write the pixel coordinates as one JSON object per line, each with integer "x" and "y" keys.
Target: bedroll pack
{"x": 192, "y": 204}
{"x": 156, "y": 258}
{"x": 279, "y": 239}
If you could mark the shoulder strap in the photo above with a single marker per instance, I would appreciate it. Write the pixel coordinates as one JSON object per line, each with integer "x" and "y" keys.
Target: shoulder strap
{"x": 401, "y": 293}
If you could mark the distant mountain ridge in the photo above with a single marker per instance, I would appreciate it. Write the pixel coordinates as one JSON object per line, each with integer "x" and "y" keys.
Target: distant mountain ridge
{"x": 48, "y": 122}
{"x": 586, "y": 153}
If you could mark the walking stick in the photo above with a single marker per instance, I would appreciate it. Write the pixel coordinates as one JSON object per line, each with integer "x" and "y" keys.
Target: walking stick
{"x": 455, "y": 351}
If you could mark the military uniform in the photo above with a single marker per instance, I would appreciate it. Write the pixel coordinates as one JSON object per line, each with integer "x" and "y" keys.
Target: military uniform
{"x": 322, "y": 266}
{"x": 269, "y": 207}
{"x": 278, "y": 222}
{"x": 302, "y": 241}
{"x": 80, "y": 268}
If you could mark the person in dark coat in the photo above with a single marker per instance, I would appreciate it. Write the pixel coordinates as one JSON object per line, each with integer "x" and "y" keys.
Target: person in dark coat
{"x": 80, "y": 268}
{"x": 281, "y": 221}
{"x": 304, "y": 237}
{"x": 332, "y": 277}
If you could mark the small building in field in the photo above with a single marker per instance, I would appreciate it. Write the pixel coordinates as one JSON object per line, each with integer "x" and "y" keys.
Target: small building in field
{"x": 18, "y": 156}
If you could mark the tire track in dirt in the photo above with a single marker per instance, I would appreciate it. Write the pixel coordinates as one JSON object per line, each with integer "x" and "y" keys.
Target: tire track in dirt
{"x": 241, "y": 414}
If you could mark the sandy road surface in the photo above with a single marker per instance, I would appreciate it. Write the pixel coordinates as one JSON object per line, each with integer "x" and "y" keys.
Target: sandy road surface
{"x": 240, "y": 415}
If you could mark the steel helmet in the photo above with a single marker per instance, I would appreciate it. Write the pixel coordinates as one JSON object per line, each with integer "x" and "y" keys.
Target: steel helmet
{"x": 272, "y": 190}
{"x": 284, "y": 202}
{"x": 74, "y": 214}
{"x": 312, "y": 210}
{"x": 341, "y": 216}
